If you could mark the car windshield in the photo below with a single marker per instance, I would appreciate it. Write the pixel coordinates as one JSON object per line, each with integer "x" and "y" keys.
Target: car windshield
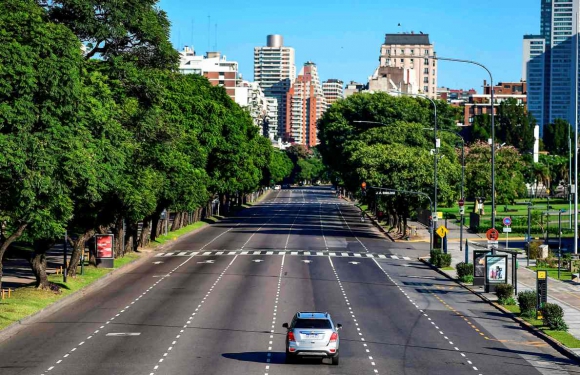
{"x": 312, "y": 323}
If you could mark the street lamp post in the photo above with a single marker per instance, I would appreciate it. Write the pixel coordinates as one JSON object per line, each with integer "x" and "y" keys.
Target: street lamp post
{"x": 462, "y": 182}
{"x": 492, "y": 129}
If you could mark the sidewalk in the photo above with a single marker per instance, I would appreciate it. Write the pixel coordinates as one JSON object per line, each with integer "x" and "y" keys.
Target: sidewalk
{"x": 565, "y": 294}
{"x": 16, "y": 271}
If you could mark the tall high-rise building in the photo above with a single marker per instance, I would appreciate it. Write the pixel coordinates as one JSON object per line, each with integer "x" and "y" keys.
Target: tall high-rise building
{"x": 213, "y": 66}
{"x": 533, "y": 73}
{"x": 333, "y": 90}
{"x": 559, "y": 35}
{"x": 405, "y": 66}
{"x": 275, "y": 71}
{"x": 305, "y": 104}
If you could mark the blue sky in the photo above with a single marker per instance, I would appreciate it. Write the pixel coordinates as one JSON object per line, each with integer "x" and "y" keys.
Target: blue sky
{"x": 344, "y": 37}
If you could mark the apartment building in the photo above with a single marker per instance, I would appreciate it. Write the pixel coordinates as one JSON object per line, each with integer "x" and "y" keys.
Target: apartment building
{"x": 305, "y": 104}
{"x": 353, "y": 88}
{"x": 480, "y": 104}
{"x": 333, "y": 90}
{"x": 555, "y": 49}
{"x": 405, "y": 66}
{"x": 275, "y": 72}
{"x": 213, "y": 66}
{"x": 250, "y": 95}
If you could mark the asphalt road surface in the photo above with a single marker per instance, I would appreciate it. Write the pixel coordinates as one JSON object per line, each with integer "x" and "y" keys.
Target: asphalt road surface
{"x": 215, "y": 304}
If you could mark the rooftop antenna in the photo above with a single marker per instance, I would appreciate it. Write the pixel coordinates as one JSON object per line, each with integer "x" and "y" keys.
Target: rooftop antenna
{"x": 400, "y": 28}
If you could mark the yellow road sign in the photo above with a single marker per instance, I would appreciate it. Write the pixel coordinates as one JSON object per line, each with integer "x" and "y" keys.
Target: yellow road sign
{"x": 542, "y": 275}
{"x": 442, "y": 231}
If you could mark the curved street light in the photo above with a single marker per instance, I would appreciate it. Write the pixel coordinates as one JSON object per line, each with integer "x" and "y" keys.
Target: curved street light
{"x": 492, "y": 127}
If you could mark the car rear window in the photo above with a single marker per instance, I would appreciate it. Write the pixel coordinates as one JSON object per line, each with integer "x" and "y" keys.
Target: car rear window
{"x": 312, "y": 323}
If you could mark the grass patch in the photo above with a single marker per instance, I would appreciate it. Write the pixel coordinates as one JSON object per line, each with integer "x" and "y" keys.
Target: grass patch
{"x": 160, "y": 240}
{"x": 553, "y": 273}
{"x": 447, "y": 269}
{"x": 563, "y": 337}
{"x": 28, "y": 300}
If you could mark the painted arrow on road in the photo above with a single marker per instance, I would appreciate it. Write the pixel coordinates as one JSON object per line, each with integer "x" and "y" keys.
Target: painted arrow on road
{"x": 354, "y": 262}
{"x": 307, "y": 261}
{"x": 207, "y": 261}
{"x": 258, "y": 260}
{"x": 157, "y": 262}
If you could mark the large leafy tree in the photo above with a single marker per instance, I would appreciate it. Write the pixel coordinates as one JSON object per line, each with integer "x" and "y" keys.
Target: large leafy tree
{"x": 40, "y": 92}
{"x": 136, "y": 29}
{"x": 556, "y": 137}
{"x": 515, "y": 126}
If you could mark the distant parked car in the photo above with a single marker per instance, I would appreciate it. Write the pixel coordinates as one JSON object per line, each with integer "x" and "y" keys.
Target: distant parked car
{"x": 277, "y": 187}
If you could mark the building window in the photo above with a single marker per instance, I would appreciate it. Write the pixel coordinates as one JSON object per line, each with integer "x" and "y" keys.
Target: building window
{"x": 426, "y": 71}
{"x": 426, "y": 61}
{"x": 425, "y": 88}
{"x": 413, "y": 52}
{"x": 426, "y": 52}
{"x": 402, "y": 52}
{"x": 389, "y": 52}
{"x": 425, "y": 80}
{"x": 402, "y": 60}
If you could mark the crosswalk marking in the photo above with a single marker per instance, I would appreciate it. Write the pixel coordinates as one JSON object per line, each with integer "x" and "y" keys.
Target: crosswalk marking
{"x": 281, "y": 252}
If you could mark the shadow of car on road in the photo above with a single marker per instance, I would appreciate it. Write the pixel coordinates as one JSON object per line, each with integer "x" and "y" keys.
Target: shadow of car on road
{"x": 275, "y": 358}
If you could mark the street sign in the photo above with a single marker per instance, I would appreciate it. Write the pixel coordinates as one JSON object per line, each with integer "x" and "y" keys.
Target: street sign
{"x": 492, "y": 234}
{"x": 363, "y": 185}
{"x": 507, "y": 221}
{"x": 442, "y": 231}
{"x": 492, "y": 244}
{"x": 507, "y": 229}
{"x": 461, "y": 203}
{"x": 383, "y": 192}
{"x": 461, "y": 210}
{"x": 434, "y": 218}
{"x": 440, "y": 214}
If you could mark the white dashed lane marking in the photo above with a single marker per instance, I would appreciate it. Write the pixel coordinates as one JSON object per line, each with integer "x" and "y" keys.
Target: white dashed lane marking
{"x": 274, "y": 313}
{"x": 161, "y": 278}
{"x": 351, "y": 312}
{"x": 190, "y": 319}
{"x": 425, "y": 315}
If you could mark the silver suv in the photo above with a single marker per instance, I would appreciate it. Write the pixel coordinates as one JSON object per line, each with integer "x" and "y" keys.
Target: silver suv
{"x": 312, "y": 334}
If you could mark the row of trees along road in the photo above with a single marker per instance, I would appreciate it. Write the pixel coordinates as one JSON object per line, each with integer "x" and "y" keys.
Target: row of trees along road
{"x": 398, "y": 154}
{"x": 113, "y": 134}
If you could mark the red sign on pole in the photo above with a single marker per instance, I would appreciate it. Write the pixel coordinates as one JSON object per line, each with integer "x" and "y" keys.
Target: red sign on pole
{"x": 492, "y": 234}
{"x": 461, "y": 203}
{"x": 104, "y": 246}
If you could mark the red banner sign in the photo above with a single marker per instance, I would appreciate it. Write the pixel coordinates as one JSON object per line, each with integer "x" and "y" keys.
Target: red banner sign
{"x": 104, "y": 246}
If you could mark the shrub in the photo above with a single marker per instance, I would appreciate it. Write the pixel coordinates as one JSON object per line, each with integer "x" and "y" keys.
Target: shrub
{"x": 535, "y": 249}
{"x": 467, "y": 279}
{"x": 503, "y": 292}
{"x": 554, "y": 317}
{"x": 464, "y": 269}
{"x": 527, "y": 302}
{"x": 510, "y": 302}
{"x": 445, "y": 260}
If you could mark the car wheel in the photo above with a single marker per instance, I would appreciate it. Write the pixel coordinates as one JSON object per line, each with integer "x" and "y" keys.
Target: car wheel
{"x": 335, "y": 360}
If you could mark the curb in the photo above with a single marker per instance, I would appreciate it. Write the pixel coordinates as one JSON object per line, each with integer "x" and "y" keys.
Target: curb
{"x": 562, "y": 349}
{"x": 105, "y": 280}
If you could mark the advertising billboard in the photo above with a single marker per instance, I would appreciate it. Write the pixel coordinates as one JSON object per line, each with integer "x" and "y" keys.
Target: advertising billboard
{"x": 104, "y": 243}
{"x": 496, "y": 269}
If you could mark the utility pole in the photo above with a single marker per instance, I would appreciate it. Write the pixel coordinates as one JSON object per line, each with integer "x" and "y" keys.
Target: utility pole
{"x": 65, "y": 271}
{"x": 529, "y": 230}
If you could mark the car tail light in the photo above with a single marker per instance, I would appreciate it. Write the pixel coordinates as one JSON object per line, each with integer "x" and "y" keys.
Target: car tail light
{"x": 333, "y": 337}
{"x": 291, "y": 336}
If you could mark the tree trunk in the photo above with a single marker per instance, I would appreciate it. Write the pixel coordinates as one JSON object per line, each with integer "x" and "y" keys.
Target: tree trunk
{"x": 144, "y": 240}
{"x": 38, "y": 262}
{"x": 17, "y": 233}
{"x": 120, "y": 238}
{"x": 155, "y": 230}
{"x": 78, "y": 248}
{"x": 176, "y": 222}
{"x": 132, "y": 234}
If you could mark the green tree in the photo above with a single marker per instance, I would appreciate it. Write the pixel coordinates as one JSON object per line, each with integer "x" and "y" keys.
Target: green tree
{"x": 515, "y": 126}
{"x": 556, "y": 137}
{"x": 280, "y": 167}
{"x": 480, "y": 129}
{"x": 39, "y": 95}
